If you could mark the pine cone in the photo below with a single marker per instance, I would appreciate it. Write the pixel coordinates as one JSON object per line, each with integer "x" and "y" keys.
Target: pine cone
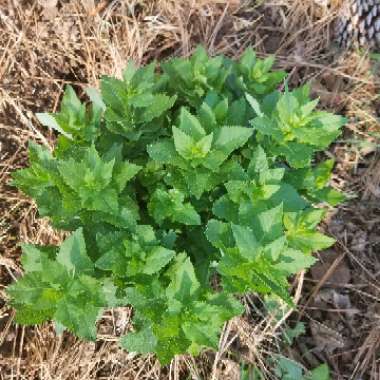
{"x": 359, "y": 23}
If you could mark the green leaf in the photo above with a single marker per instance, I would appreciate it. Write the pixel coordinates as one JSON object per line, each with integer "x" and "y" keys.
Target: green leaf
{"x": 160, "y": 103}
{"x": 157, "y": 259}
{"x": 246, "y": 241}
{"x": 203, "y": 146}
{"x": 39, "y": 177}
{"x": 190, "y": 125}
{"x": 90, "y": 174}
{"x": 183, "y": 143}
{"x": 187, "y": 215}
{"x": 219, "y": 234}
{"x": 320, "y": 373}
{"x": 305, "y": 220}
{"x": 78, "y": 319}
{"x": 206, "y": 117}
{"x": 322, "y": 173}
{"x": 297, "y": 155}
{"x": 258, "y": 163}
{"x": 290, "y": 334}
{"x": 292, "y": 261}
{"x": 95, "y": 97}
{"x": 33, "y": 257}
{"x": 162, "y": 151}
{"x": 124, "y": 172}
{"x": 225, "y": 209}
{"x": 27, "y": 315}
{"x": 267, "y": 127}
{"x": 227, "y": 139}
{"x": 170, "y": 205}
{"x": 248, "y": 59}
{"x": 49, "y": 121}
{"x": 72, "y": 254}
{"x": 290, "y": 198}
{"x": 287, "y": 369}
{"x": 268, "y": 225}
{"x": 274, "y": 248}
{"x": 143, "y": 341}
{"x": 329, "y": 195}
{"x": 308, "y": 241}
{"x": 183, "y": 284}
{"x": 254, "y": 104}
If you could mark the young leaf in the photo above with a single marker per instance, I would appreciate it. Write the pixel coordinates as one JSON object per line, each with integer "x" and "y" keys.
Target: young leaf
{"x": 183, "y": 143}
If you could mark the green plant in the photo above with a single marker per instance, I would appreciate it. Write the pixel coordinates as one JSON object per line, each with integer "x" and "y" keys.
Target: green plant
{"x": 167, "y": 181}
{"x": 285, "y": 369}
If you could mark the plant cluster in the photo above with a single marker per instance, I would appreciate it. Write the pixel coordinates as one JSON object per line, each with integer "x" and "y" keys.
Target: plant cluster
{"x": 181, "y": 188}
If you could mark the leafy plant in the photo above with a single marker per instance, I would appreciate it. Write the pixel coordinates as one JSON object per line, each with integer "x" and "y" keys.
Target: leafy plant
{"x": 286, "y": 369}
{"x": 181, "y": 189}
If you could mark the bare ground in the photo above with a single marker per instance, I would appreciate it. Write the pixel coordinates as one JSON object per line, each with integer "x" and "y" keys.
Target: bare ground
{"x": 46, "y": 44}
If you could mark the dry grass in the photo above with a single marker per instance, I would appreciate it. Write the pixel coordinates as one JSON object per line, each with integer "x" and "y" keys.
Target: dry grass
{"x": 47, "y": 44}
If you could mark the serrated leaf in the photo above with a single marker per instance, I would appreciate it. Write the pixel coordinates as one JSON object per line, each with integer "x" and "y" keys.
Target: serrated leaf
{"x": 170, "y": 205}
{"x": 81, "y": 306}
{"x": 159, "y": 104}
{"x": 187, "y": 215}
{"x": 78, "y": 319}
{"x": 27, "y": 315}
{"x": 95, "y": 97}
{"x": 328, "y": 195}
{"x": 157, "y": 259}
{"x": 184, "y": 283}
{"x": 183, "y": 143}
{"x": 190, "y": 125}
{"x": 33, "y": 257}
{"x": 227, "y": 139}
{"x": 201, "y": 335}
{"x": 290, "y": 198}
{"x": 49, "y": 121}
{"x": 219, "y": 234}
{"x": 124, "y": 172}
{"x": 225, "y": 209}
{"x": 274, "y": 248}
{"x": 246, "y": 241}
{"x": 129, "y": 72}
{"x": 237, "y": 114}
{"x": 206, "y": 117}
{"x": 72, "y": 254}
{"x": 143, "y": 341}
{"x": 254, "y": 104}
{"x": 266, "y": 126}
{"x": 163, "y": 151}
{"x": 292, "y": 261}
{"x": 203, "y": 146}
{"x": 297, "y": 155}
{"x": 268, "y": 225}
{"x": 308, "y": 241}
{"x": 272, "y": 284}
{"x": 258, "y": 163}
